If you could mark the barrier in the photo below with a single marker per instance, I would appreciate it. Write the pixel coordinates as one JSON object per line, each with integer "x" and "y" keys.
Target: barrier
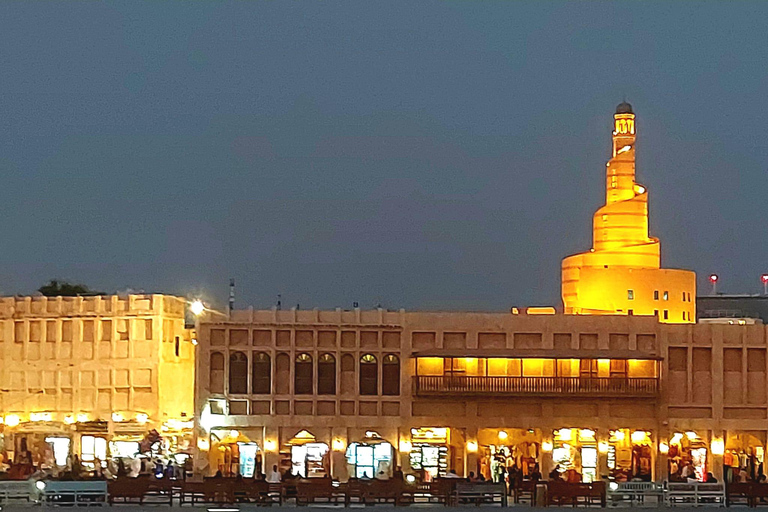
{"x": 695, "y": 494}
{"x": 18, "y": 491}
{"x": 635, "y": 493}
{"x": 80, "y": 493}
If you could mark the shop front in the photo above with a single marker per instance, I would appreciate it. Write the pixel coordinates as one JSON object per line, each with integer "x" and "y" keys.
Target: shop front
{"x": 575, "y": 454}
{"x": 744, "y": 456}
{"x": 303, "y": 455}
{"x": 372, "y": 457}
{"x": 687, "y": 457}
{"x": 630, "y": 455}
{"x": 430, "y": 452}
{"x": 503, "y": 451}
{"x": 231, "y": 452}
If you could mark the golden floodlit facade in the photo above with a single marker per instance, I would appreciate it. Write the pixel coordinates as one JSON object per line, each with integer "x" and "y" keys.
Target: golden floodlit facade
{"x": 94, "y": 376}
{"x": 355, "y": 392}
{"x": 622, "y": 272}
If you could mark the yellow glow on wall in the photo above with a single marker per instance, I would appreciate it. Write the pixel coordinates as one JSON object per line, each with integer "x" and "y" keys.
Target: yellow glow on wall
{"x": 717, "y": 445}
{"x": 12, "y": 420}
{"x": 405, "y": 446}
{"x": 338, "y": 445}
{"x": 546, "y": 446}
{"x": 430, "y": 365}
{"x": 663, "y": 448}
{"x": 471, "y": 446}
{"x": 621, "y": 272}
{"x": 602, "y": 447}
{"x": 270, "y": 445}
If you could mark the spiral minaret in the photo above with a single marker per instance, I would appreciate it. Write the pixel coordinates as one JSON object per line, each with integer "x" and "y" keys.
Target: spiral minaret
{"x": 622, "y": 272}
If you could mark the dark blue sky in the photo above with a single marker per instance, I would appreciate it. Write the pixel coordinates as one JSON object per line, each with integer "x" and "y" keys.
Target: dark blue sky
{"x": 414, "y": 154}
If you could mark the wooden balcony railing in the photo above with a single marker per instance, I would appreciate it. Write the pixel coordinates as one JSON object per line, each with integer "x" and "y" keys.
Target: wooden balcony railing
{"x": 555, "y": 386}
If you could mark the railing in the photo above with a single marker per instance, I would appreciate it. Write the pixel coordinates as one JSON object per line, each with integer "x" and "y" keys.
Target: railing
{"x": 594, "y": 386}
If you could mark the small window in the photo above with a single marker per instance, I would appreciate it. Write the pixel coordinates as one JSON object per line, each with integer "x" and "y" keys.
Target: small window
{"x": 689, "y": 299}
{"x": 655, "y": 294}
{"x": 666, "y": 314}
{"x": 390, "y": 375}
{"x": 683, "y": 315}
{"x": 303, "y": 375}
{"x": 238, "y": 373}
{"x": 177, "y": 347}
{"x": 683, "y": 296}
{"x": 326, "y": 375}
{"x": 656, "y": 313}
{"x": 630, "y": 294}
{"x": 666, "y": 295}
{"x": 369, "y": 375}
{"x": 630, "y": 312}
{"x": 261, "y": 374}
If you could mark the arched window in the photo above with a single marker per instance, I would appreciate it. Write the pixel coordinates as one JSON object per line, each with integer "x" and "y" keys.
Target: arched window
{"x": 326, "y": 375}
{"x": 390, "y": 375}
{"x": 261, "y": 378}
{"x": 369, "y": 375}
{"x": 302, "y": 375}
{"x": 238, "y": 373}
{"x": 217, "y": 372}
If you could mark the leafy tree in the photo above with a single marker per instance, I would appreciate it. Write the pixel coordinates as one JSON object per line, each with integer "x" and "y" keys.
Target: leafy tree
{"x": 54, "y": 288}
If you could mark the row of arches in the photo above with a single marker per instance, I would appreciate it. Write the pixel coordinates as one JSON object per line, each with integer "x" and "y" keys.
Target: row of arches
{"x": 308, "y": 378}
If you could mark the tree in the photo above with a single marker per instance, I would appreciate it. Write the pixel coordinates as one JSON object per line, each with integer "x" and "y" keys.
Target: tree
{"x": 55, "y": 288}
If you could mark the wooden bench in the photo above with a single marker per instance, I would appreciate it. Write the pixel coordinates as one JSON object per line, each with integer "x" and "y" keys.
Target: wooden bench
{"x": 18, "y": 490}
{"x": 77, "y": 493}
{"x": 565, "y": 493}
{"x": 635, "y": 493}
{"x": 695, "y": 494}
{"x": 479, "y": 493}
{"x": 318, "y": 490}
{"x": 126, "y": 490}
{"x": 525, "y": 490}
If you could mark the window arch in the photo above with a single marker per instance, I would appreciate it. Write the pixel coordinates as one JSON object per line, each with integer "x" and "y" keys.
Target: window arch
{"x": 216, "y": 382}
{"x": 238, "y": 373}
{"x": 390, "y": 375}
{"x": 303, "y": 375}
{"x": 261, "y": 376}
{"x": 369, "y": 375}
{"x": 326, "y": 375}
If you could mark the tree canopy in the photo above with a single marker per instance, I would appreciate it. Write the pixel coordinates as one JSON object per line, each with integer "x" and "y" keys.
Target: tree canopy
{"x": 55, "y": 288}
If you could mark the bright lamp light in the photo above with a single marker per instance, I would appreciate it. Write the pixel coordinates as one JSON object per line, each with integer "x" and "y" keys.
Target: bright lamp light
{"x": 197, "y": 307}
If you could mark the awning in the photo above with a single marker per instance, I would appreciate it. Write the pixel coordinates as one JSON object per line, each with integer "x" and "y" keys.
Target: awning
{"x": 516, "y": 353}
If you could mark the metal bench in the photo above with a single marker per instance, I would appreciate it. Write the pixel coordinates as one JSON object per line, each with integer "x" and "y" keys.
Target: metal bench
{"x": 696, "y": 494}
{"x": 18, "y": 490}
{"x": 79, "y": 493}
{"x": 635, "y": 493}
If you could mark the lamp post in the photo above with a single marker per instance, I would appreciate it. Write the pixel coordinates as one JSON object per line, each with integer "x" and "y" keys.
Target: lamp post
{"x": 764, "y": 280}
{"x": 713, "y": 279}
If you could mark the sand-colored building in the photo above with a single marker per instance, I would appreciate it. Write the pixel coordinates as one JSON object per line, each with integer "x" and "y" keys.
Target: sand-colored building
{"x": 93, "y": 375}
{"x": 621, "y": 273}
{"x": 356, "y": 392}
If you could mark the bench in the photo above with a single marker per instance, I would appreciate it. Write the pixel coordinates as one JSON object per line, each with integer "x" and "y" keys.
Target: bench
{"x": 480, "y": 492}
{"x": 319, "y": 490}
{"x": 747, "y": 493}
{"x": 77, "y": 493}
{"x": 565, "y": 493}
{"x": 695, "y": 494}
{"x": 18, "y": 490}
{"x": 634, "y": 493}
{"x": 525, "y": 490}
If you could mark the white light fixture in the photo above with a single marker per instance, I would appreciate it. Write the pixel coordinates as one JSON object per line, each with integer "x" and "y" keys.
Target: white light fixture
{"x": 117, "y": 417}
{"x": 142, "y": 417}
{"x": 503, "y": 434}
{"x": 471, "y": 446}
{"x": 197, "y": 307}
{"x": 12, "y": 420}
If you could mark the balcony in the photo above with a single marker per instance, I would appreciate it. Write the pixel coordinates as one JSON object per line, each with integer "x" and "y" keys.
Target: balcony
{"x": 437, "y": 385}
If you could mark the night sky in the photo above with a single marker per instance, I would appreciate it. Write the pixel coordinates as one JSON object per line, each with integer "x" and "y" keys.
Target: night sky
{"x": 410, "y": 154}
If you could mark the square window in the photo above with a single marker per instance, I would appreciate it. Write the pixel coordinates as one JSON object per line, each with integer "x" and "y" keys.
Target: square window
{"x": 630, "y": 294}
{"x": 655, "y": 294}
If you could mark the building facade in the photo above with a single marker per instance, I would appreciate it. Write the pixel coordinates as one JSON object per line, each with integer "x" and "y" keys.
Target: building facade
{"x": 93, "y": 376}
{"x": 621, "y": 273}
{"x": 349, "y": 393}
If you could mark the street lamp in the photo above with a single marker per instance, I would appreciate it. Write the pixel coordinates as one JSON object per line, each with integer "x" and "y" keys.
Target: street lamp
{"x": 713, "y": 279}
{"x": 764, "y": 280}
{"x": 197, "y": 307}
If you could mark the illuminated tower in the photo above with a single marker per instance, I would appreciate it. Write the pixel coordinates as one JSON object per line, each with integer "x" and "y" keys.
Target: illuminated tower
{"x": 622, "y": 274}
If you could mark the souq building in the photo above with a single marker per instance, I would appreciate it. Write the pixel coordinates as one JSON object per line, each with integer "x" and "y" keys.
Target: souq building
{"x": 623, "y": 384}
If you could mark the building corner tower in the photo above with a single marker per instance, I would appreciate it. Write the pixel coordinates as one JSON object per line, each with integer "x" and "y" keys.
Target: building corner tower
{"x": 622, "y": 274}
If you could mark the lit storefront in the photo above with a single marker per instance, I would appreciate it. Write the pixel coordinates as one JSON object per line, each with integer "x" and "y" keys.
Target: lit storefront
{"x": 225, "y": 453}
{"x": 502, "y": 449}
{"x": 370, "y": 458}
{"x": 744, "y": 455}
{"x": 630, "y": 455}
{"x": 687, "y": 457}
{"x": 575, "y": 452}
{"x": 430, "y": 451}
{"x": 305, "y": 456}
